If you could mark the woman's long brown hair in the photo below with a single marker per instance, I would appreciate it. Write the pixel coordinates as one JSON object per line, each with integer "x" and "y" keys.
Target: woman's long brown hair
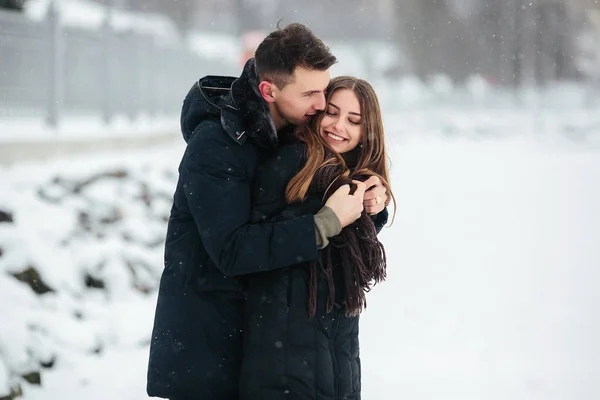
{"x": 372, "y": 156}
{"x": 363, "y": 258}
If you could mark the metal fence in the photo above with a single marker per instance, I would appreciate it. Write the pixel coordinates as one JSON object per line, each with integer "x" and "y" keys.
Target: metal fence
{"x": 52, "y": 71}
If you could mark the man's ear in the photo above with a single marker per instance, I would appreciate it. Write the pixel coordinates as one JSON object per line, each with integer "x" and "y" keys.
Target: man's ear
{"x": 268, "y": 91}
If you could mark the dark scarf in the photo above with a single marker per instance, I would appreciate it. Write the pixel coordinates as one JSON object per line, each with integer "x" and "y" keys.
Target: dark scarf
{"x": 357, "y": 248}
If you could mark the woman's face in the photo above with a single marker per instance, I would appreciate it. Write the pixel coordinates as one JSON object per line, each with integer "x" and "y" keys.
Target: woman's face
{"x": 341, "y": 125}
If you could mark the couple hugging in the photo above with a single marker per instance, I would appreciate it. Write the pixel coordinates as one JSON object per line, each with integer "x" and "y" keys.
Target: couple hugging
{"x": 272, "y": 238}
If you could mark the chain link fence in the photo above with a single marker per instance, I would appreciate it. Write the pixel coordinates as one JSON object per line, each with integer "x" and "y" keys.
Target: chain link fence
{"x": 53, "y": 71}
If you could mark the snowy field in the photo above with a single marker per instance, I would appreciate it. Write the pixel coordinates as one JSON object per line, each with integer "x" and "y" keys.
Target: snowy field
{"x": 494, "y": 255}
{"x": 494, "y": 263}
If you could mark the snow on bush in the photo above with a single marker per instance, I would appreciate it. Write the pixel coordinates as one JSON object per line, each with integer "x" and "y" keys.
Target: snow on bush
{"x": 81, "y": 247}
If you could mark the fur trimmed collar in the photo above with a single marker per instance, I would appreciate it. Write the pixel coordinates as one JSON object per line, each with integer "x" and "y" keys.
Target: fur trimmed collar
{"x": 256, "y": 115}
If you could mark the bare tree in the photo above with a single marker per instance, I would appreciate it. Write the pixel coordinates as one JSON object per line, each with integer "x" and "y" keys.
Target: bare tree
{"x": 12, "y": 4}
{"x": 510, "y": 42}
{"x": 435, "y": 39}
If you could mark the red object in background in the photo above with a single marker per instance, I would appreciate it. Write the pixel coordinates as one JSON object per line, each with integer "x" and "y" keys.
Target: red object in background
{"x": 250, "y": 41}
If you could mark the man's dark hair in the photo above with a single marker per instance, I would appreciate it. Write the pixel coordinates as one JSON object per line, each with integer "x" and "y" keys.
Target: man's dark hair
{"x": 283, "y": 50}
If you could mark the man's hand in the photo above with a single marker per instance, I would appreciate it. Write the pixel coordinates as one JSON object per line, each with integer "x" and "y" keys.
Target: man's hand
{"x": 347, "y": 207}
{"x": 375, "y": 197}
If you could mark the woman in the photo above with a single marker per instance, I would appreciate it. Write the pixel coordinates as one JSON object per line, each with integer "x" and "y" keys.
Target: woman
{"x": 301, "y": 335}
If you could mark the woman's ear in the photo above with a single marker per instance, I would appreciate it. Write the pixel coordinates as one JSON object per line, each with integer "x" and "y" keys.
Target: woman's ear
{"x": 267, "y": 91}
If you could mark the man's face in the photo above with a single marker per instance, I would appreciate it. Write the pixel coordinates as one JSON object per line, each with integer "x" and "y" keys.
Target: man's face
{"x": 303, "y": 97}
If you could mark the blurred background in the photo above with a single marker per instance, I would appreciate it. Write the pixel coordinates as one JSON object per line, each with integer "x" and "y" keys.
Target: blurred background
{"x": 131, "y": 58}
{"x": 492, "y": 115}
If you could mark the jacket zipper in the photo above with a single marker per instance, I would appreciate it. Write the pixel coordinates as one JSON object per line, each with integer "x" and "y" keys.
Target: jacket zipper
{"x": 334, "y": 361}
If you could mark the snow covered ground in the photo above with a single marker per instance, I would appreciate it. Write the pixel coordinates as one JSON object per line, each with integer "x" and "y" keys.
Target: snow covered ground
{"x": 81, "y": 249}
{"x": 84, "y": 128}
{"x": 494, "y": 256}
{"x": 493, "y": 273}
{"x": 494, "y": 262}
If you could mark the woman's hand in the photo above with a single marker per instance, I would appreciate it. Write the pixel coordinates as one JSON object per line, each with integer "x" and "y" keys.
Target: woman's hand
{"x": 375, "y": 197}
{"x": 347, "y": 207}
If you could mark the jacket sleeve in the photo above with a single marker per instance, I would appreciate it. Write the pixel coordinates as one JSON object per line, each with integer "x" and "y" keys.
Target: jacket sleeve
{"x": 218, "y": 192}
{"x": 380, "y": 219}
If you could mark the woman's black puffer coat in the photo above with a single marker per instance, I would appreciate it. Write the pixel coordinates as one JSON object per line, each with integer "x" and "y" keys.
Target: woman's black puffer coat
{"x": 287, "y": 354}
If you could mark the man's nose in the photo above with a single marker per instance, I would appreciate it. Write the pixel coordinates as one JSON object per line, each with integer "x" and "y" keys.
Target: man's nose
{"x": 320, "y": 102}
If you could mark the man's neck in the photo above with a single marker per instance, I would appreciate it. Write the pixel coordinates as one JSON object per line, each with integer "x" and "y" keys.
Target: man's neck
{"x": 277, "y": 119}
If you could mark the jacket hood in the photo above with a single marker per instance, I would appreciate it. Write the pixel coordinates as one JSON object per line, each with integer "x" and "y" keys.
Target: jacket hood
{"x": 235, "y": 102}
{"x": 204, "y": 101}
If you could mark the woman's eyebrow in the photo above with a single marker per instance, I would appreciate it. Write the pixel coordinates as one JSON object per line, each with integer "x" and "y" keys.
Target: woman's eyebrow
{"x": 353, "y": 113}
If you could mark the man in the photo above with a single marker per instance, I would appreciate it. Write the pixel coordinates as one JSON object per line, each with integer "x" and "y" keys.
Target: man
{"x": 229, "y": 124}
